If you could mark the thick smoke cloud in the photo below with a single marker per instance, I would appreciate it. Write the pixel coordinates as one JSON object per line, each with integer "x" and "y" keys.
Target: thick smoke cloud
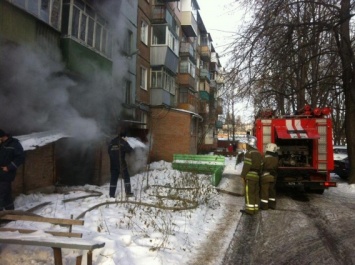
{"x": 36, "y": 94}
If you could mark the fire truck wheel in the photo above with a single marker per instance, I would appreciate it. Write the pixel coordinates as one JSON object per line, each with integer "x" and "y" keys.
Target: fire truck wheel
{"x": 319, "y": 191}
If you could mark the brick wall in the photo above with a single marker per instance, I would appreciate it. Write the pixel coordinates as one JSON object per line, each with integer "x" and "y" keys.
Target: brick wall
{"x": 37, "y": 171}
{"x": 40, "y": 171}
{"x": 170, "y": 134}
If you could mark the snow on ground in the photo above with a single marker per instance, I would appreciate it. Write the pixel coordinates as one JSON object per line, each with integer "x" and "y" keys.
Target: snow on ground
{"x": 171, "y": 219}
{"x": 141, "y": 231}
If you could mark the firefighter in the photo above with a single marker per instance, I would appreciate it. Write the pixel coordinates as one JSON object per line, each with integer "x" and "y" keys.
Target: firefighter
{"x": 117, "y": 150}
{"x": 268, "y": 177}
{"x": 251, "y": 174}
{"x": 12, "y": 156}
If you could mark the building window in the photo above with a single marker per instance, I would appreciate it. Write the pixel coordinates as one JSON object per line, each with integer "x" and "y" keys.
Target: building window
{"x": 183, "y": 96}
{"x": 128, "y": 44}
{"x": 163, "y": 36}
{"x": 187, "y": 67}
{"x": 86, "y": 26}
{"x": 128, "y": 92}
{"x": 162, "y": 79}
{"x": 144, "y": 78}
{"x": 159, "y": 35}
{"x": 144, "y": 32}
{"x": 45, "y": 10}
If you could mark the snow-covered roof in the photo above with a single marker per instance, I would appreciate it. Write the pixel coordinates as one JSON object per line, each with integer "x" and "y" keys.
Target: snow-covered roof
{"x": 35, "y": 140}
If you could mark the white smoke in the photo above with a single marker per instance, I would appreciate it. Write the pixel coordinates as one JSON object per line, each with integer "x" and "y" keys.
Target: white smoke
{"x": 37, "y": 94}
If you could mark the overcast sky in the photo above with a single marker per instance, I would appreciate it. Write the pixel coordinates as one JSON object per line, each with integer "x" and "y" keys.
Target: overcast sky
{"x": 221, "y": 19}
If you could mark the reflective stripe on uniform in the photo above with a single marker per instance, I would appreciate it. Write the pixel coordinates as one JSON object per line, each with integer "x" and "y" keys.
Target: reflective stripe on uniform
{"x": 264, "y": 201}
{"x": 252, "y": 175}
{"x": 272, "y": 199}
{"x": 247, "y": 161}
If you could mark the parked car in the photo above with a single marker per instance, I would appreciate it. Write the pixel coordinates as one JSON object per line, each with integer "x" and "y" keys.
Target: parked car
{"x": 340, "y": 152}
{"x": 342, "y": 168}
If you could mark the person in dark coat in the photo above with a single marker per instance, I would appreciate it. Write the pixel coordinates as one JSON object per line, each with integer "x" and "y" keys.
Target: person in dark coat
{"x": 117, "y": 149}
{"x": 12, "y": 156}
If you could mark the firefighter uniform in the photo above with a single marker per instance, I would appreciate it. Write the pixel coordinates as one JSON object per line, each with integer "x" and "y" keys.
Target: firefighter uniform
{"x": 250, "y": 173}
{"x": 268, "y": 180}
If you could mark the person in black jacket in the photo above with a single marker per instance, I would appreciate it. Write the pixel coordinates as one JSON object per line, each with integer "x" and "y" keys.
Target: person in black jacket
{"x": 117, "y": 150}
{"x": 11, "y": 157}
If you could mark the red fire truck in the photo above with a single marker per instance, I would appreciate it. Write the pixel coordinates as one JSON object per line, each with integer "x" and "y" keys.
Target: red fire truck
{"x": 305, "y": 146}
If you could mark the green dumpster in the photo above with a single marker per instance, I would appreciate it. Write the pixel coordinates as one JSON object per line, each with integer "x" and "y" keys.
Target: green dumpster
{"x": 204, "y": 164}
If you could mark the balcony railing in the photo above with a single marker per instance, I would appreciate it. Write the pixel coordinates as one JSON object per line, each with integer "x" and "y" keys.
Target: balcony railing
{"x": 163, "y": 55}
{"x": 189, "y": 24}
{"x": 159, "y": 14}
{"x": 186, "y": 80}
{"x": 160, "y": 96}
{"x": 188, "y": 49}
{"x": 204, "y": 73}
{"x": 205, "y": 52}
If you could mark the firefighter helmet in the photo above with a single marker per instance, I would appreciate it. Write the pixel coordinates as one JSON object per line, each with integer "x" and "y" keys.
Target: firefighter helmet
{"x": 252, "y": 141}
{"x": 271, "y": 147}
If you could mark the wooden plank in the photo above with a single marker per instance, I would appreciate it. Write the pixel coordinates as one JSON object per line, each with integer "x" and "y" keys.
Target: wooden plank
{"x": 89, "y": 258}
{"x": 58, "y": 221}
{"x": 79, "y": 259}
{"x": 57, "y": 256}
{"x": 57, "y": 242}
{"x": 54, "y": 233}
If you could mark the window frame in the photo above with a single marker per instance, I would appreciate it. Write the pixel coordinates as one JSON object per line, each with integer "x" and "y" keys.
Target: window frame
{"x": 144, "y": 32}
{"x": 143, "y": 82}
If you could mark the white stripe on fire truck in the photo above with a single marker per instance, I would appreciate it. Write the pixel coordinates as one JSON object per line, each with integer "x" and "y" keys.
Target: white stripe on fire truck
{"x": 299, "y": 127}
{"x": 289, "y": 127}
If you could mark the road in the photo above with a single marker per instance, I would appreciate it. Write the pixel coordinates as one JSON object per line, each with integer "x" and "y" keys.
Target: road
{"x": 304, "y": 229}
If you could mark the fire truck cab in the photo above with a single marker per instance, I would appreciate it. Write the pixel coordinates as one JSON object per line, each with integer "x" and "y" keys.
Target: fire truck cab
{"x": 305, "y": 147}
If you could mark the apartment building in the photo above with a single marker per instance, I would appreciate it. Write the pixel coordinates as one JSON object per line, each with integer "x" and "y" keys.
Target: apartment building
{"x": 180, "y": 67}
{"x": 70, "y": 66}
{"x": 91, "y": 68}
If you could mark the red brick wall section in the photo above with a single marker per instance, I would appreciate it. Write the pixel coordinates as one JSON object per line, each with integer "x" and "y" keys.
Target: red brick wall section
{"x": 170, "y": 134}
{"x": 37, "y": 172}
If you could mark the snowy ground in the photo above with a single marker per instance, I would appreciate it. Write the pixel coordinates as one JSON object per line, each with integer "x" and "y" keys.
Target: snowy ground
{"x": 141, "y": 231}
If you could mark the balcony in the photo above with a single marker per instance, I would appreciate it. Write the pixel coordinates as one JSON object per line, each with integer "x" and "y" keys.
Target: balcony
{"x": 214, "y": 67}
{"x": 159, "y": 14}
{"x": 186, "y": 49}
{"x": 164, "y": 56}
{"x": 189, "y": 24}
{"x": 219, "y": 79}
{"x": 187, "y": 99}
{"x": 214, "y": 58}
{"x": 205, "y": 52}
{"x": 204, "y": 86}
{"x": 204, "y": 73}
{"x": 186, "y": 80}
{"x": 204, "y": 95}
{"x": 159, "y": 96}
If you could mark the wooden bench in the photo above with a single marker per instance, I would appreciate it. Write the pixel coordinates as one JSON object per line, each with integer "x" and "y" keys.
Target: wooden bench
{"x": 56, "y": 240}
{"x": 206, "y": 164}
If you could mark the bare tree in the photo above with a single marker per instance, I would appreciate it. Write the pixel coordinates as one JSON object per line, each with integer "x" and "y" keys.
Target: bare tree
{"x": 297, "y": 52}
